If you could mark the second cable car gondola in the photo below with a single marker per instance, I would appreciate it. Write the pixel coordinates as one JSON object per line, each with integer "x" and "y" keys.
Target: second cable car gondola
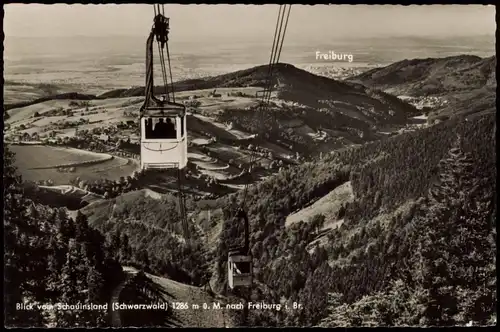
{"x": 239, "y": 261}
{"x": 162, "y": 122}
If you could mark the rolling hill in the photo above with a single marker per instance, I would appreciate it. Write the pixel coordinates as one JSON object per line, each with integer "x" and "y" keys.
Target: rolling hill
{"x": 309, "y": 115}
{"x": 467, "y": 83}
{"x": 296, "y": 85}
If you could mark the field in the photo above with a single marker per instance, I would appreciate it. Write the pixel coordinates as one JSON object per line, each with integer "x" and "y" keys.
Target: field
{"x": 42, "y": 118}
{"x": 220, "y": 129}
{"x": 95, "y": 113}
{"x": 50, "y": 157}
{"x": 37, "y": 162}
{"x": 328, "y": 206}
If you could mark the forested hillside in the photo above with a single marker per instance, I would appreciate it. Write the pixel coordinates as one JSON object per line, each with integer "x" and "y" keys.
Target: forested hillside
{"x": 50, "y": 259}
{"x": 389, "y": 232}
{"x": 413, "y": 195}
{"x": 415, "y": 247}
{"x": 466, "y": 83}
{"x": 432, "y": 76}
{"x": 152, "y": 228}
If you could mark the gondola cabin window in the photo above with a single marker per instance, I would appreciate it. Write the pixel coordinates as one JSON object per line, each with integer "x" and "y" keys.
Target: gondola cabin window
{"x": 163, "y": 142}
{"x": 162, "y": 128}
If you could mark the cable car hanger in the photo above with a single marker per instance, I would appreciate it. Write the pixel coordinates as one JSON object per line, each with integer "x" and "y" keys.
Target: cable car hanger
{"x": 174, "y": 155}
{"x": 167, "y": 105}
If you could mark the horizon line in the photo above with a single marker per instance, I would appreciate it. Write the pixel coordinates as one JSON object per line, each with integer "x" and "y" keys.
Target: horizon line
{"x": 492, "y": 34}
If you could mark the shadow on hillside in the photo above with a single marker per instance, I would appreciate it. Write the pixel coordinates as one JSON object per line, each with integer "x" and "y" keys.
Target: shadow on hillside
{"x": 55, "y": 199}
{"x": 200, "y": 126}
{"x": 144, "y": 291}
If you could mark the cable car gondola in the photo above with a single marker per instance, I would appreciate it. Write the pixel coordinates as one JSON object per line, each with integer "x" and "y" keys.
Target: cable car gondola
{"x": 163, "y": 137}
{"x": 239, "y": 262}
{"x": 162, "y": 121}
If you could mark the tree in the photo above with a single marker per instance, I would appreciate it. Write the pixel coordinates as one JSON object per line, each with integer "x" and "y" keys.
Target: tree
{"x": 115, "y": 242}
{"x": 82, "y": 229}
{"x": 399, "y": 306}
{"x": 455, "y": 255}
{"x": 21, "y": 268}
{"x": 125, "y": 250}
{"x": 72, "y": 281}
{"x": 56, "y": 260}
{"x": 95, "y": 284}
{"x": 49, "y": 259}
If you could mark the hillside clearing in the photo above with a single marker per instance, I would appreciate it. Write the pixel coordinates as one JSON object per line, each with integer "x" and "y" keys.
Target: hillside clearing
{"x": 327, "y": 205}
{"x": 237, "y": 133}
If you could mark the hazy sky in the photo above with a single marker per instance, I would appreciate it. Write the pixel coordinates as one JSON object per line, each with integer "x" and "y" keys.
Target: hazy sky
{"x": 230, "y": 21}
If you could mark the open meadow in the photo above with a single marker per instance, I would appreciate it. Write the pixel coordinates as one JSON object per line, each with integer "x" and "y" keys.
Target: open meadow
{"x": 42, "y": 163}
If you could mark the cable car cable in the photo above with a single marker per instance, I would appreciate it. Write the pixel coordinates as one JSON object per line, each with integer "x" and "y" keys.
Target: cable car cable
{"x": 160, "y": 30}
{"x": 264, "y": 106}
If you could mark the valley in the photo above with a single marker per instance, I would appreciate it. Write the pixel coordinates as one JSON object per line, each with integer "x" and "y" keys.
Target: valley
{"x": 224, "y": 129}
{"x": 340, "y": 199}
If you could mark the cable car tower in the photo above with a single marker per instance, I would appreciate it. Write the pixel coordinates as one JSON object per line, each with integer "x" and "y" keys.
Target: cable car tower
{"x": 162, "y": 121}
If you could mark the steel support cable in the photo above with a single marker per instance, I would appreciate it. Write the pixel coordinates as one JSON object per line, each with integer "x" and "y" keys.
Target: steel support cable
{"x": 170, "y": 70}
{"x": 265, "y": 104}
{"x": 182, "y": 203}
{"x": 163, "y": 71}
{"x": 180, "y": 172}
{"x": 260, "y": 110}
{"x": 273, "y": 60}
{"x": 266, "y": 86}
{"x": 284, "y": 32}
{"x": 281, "y": 15}
{"x": 280, "y": 48}
{"x": 277, "y": 52}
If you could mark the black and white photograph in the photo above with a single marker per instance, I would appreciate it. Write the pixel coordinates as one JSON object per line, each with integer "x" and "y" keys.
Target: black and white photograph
{"x": 245, "y": 165}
